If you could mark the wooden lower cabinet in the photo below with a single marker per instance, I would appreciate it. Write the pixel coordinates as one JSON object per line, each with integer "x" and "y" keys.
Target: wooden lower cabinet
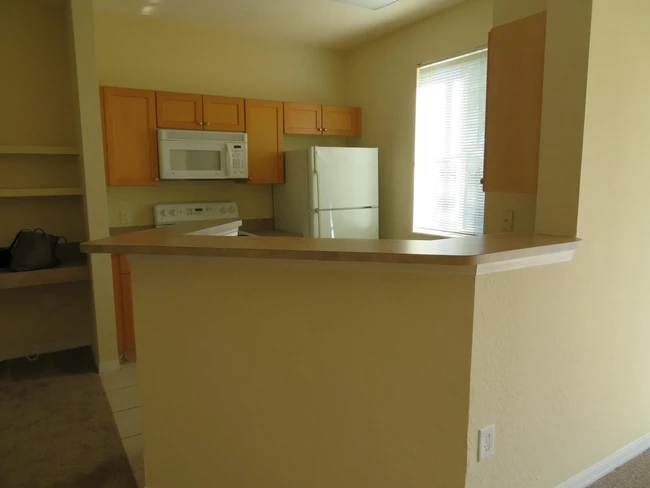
{"x": 123, "y": 307}
{"x": 264, "y": 126}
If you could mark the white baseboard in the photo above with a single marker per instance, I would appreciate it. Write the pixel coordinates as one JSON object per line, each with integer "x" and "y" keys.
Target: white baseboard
{"x": 107, "y": 366}
{"x": 609, "y": 464}
{"x": 46, "y": 349}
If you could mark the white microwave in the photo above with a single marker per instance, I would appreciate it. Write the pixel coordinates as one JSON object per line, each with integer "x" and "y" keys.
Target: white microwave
{"x": 202, "y": 155}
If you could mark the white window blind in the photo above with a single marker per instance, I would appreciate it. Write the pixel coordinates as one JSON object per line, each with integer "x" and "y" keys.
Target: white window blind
{"x": 449, "y": 141}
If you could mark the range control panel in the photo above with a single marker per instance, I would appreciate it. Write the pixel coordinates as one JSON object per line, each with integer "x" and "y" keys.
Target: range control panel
{"x": 178, "y": 213}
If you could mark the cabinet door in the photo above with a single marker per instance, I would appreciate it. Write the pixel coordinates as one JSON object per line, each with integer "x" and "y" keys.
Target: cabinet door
{"x": 127, "y": 307}
{"x": 131, "y": 144}
{"x": 264, "y": 129}
{"x": 341, "y": 121}
{"x": 300, "y": 118}
{"x": 514, "y": 105}
{"x": 123, "y": 308}
{"x": 119, "y": 309}
{"x": 223, "y": 113}
{"x": 179, "y": 111}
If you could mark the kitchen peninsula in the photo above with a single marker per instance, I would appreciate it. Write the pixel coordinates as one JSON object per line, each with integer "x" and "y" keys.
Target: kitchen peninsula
{"x": 290, "y": 362}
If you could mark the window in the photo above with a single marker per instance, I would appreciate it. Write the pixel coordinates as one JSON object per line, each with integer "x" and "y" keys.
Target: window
{"x": 449, "y": 141}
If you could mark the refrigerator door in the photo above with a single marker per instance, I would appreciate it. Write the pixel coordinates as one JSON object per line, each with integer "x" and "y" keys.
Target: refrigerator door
{"x": 360, "y": 223}
{"x": 344, "y": 177}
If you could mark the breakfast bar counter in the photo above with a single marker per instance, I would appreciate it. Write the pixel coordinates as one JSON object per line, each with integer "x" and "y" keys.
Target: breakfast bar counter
{"x": 292, "y": 362}
{"x": 485, "y": 253}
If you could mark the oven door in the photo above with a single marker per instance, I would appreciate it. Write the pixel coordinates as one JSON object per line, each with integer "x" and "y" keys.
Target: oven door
{"x": 193, "y": 160}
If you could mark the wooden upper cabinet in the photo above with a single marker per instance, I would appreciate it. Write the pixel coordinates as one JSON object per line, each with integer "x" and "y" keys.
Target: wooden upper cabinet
{"x": 327, "y": 120}
{"x": 341, "y": 121}
{"x": 223, "y": 113}
{"x": 130, "y": 140}
{"x": 514, "y": 105}
{"x": 264, "y": 126}
{"x": 179, "y": 111}
{"x": 301, "y": 118}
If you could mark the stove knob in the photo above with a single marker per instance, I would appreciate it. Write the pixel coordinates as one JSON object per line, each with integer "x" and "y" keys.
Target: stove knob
{"x": 163, "y": 212}
{"x": 231, "y": 209}
{"x": 173, "y": 213}
{"x": 224, "y": 209}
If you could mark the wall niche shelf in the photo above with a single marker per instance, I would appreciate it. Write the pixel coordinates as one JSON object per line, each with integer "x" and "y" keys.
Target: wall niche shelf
{"x": 64, "y": 273}
{"x": 54, "y": 150}
{"x": 39, "y": 192}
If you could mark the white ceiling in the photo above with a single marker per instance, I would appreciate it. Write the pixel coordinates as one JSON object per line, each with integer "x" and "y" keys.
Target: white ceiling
{"x": 323, "y": 23}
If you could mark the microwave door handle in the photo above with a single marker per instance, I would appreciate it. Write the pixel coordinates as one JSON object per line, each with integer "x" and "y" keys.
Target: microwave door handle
{"x": 227, "y": 162}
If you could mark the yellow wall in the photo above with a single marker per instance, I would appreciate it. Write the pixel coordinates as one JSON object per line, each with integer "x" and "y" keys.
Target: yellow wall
{"x": 80, "y": 26}
{"x": 560, "y": 359}
{"x": 506, "y": 11}
{"x": 38, "y": 109}
{"x": 382, "y": 79}
{"x": 352, "y": 382}
{"x": 150, "y": 53}
{"x": 563, "y": 119}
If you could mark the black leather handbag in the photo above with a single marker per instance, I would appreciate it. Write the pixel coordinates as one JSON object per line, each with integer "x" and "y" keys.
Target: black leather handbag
{"x": 30, "y": 250}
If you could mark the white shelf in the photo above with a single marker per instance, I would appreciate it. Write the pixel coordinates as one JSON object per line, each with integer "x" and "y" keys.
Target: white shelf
{"x": 39, "y": 192}
{"x": 56, "y": 150}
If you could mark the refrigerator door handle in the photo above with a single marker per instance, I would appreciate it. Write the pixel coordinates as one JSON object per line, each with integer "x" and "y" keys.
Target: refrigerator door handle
{"x": 316, "y": 188}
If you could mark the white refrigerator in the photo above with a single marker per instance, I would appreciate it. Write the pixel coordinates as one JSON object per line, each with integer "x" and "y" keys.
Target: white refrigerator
{"x": 329, "y": 192}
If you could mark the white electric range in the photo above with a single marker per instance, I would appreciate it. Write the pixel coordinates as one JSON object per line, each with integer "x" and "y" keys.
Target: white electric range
{"x": 165, "y": 214}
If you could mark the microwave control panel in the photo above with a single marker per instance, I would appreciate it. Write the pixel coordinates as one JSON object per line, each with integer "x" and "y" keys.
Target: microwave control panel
{"x": 238, "y": 160}
{"x": 178, "y": 213}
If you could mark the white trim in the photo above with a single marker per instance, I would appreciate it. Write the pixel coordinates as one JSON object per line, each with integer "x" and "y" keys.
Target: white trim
{"x": 108, "y": 366}
{"x": 47, "y": 348}
{"x": 528, "y": 262}
{"x": 609, "y": 464}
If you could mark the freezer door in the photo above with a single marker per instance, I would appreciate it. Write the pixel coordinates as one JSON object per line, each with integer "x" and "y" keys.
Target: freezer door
{"x": 360, "y": 223}
{"x": 344, "y": 177}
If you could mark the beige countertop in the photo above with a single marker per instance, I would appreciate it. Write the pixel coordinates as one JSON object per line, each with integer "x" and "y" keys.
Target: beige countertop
{"x": 496, "y": 252}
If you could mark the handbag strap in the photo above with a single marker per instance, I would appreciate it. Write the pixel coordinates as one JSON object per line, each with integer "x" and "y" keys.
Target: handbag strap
{"x": 57, "y": 238}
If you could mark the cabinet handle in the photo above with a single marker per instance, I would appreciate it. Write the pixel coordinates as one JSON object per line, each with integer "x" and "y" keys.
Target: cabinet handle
{"x": 207, "y": 123}
{"x": 200, "y": 123}
{"x": 324, "y": 130}
{"x": 319, "y": 129}
{"x": 156, "y": 179}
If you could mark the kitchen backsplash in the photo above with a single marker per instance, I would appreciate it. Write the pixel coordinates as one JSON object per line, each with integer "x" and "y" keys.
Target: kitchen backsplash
{"x": 255, "y": 201}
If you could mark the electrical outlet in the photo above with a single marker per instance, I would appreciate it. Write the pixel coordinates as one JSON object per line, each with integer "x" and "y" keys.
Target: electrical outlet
{"x": 125, "y": 217}
{"x": 506, "y": 221}
{"x": 486, "y": 442}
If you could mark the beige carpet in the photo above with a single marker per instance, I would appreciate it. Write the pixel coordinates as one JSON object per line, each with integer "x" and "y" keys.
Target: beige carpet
{"x": 56, "y": 426}
{"x": 634, "y": 474}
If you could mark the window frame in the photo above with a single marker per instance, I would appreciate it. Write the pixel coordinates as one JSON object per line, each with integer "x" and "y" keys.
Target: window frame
{"x": 437, "y": 232}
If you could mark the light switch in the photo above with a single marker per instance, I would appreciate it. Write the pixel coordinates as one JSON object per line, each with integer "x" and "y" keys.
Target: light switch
{"x": 506, "y": 222}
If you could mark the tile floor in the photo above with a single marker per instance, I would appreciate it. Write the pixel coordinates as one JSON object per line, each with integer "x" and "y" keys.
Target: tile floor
{"x": 122, "y": 391}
